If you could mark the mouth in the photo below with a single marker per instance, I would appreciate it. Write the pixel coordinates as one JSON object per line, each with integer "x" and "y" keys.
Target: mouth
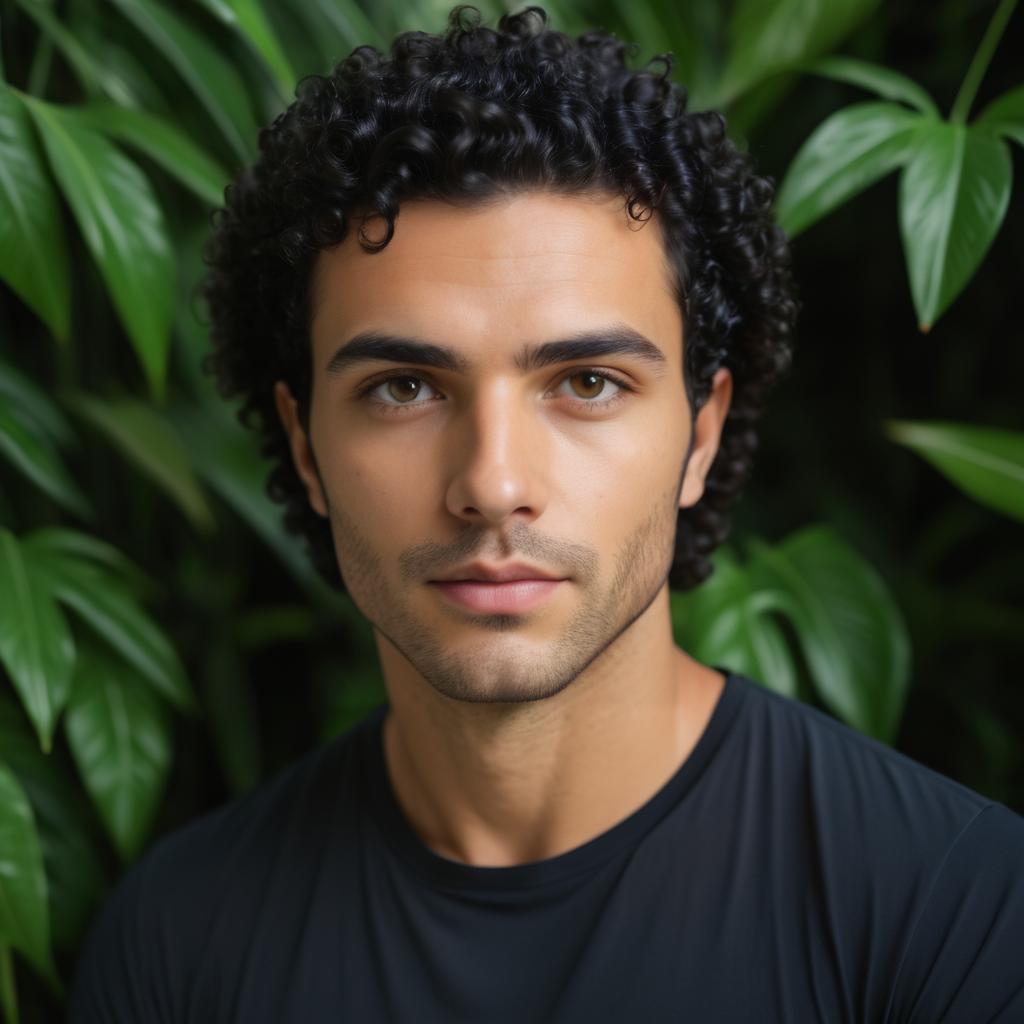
{"x": 510, "y": 596}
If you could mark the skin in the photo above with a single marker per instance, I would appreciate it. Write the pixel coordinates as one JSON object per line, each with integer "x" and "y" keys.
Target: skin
{"x": 513, "y": 738}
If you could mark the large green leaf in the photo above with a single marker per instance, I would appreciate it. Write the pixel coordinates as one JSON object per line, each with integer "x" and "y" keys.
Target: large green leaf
{"x": 209, "y": 74}
{"x": 729, "y": 620}
{"x": 24, "y": 921}
{"x": 71, "y": 845}
{"x": 151, "y": 442}
{"x": 103, "y": 602}
{"x": 850, "y": 629}
{"x": 36, "y": 645}
{"x": 954, "y": 192}
{"x": 160, "y": 140}
{"x": 34, "y": 454}
{"x": 247, "y": 17}
{"x": 120, "y": 737}
{"x": 846, "y": 153}
{"x": 886, "y": 82}
{"x": 33, "y": 253}
{"x": 124, "y": 228}
{"x": 1005, "y": 114}
{"x": 764, "y": 38}
{"x": 986, "y": 463}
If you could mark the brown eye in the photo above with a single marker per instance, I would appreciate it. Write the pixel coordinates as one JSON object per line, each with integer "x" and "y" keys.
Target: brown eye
{"x": 593, "y": 384}
{"x": 404, "y": 389}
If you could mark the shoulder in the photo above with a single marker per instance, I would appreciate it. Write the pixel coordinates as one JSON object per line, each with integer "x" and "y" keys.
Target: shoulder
{"x": 869, "y": 824}
{"x": 848, "y": 776}
{"x": 929, "y": 872}
{"x": 962, "y": 961}
{"x": 162, "y": 917}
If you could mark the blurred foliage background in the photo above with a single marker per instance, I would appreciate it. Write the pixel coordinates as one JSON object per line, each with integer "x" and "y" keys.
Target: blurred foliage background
{"x": 164, "y": 645}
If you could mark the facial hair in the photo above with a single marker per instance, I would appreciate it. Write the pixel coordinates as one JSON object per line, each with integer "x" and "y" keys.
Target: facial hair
{"x": 487, "y": 671}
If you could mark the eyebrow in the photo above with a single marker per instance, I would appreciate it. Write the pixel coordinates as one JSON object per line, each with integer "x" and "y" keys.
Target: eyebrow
{"x": 613, "y": 340}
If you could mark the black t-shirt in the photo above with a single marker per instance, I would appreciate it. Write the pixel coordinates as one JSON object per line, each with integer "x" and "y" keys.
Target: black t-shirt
{"x": 791, "y": 870}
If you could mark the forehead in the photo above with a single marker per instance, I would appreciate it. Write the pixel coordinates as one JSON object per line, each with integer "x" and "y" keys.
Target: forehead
{"x": 522, "y": 268}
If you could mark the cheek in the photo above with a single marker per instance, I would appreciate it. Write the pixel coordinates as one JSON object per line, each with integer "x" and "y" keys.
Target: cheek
{"x": 609, "y": 491}
{"x": 381, "y": 486}
{"x": 632, "y": 461}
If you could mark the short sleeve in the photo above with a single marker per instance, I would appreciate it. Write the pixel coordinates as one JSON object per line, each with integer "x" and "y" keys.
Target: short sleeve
{"x": 964, "y": 962}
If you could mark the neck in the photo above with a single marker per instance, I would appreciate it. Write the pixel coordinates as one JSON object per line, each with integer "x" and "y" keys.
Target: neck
{"x": 503, "y": 784}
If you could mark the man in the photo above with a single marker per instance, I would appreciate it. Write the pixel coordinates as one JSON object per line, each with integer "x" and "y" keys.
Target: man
{"x": 513, "y": 422}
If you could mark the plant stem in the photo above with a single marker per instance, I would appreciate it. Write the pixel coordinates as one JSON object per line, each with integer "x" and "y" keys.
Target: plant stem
{"x": 8, "y": 993}
{"x": 975, "y": 73}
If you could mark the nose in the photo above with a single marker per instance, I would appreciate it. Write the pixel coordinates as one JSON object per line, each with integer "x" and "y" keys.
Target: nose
{"x": 498, "y": 458}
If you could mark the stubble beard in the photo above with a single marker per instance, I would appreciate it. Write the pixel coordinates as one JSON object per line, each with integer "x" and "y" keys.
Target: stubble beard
{"x": 496, "y": 673}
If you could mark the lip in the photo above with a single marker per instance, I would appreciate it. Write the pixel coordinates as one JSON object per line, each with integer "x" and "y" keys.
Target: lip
{"x": 512, "y": 596}
{"x": 497, "y": 573}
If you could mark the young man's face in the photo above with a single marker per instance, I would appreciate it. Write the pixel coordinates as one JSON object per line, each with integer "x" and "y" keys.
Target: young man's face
{"x": 489, "y": 461}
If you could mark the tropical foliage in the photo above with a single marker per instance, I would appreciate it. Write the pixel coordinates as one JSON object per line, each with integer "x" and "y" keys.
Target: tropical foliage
{"x": 148, "y": 592}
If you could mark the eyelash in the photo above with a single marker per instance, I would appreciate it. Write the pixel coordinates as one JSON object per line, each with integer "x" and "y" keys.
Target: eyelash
{"x": 363, "y": 393}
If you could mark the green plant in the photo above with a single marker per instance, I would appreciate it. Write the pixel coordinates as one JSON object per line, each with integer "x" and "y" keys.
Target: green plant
{"x": 120, "y": 124}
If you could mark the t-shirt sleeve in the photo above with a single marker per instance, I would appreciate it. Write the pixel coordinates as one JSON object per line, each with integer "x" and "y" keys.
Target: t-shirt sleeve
{"x": 119, "y": 976}
{"x": 964, "y": 962}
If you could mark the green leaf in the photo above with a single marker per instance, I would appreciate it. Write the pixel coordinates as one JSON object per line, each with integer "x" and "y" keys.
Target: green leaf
{"x": 694, "y": 30}
{"x": 124, "y": 228}
{"x": 34, "y": 407}
{"x": 888, "y": 84}
{"x": 1005, "y": 115}
{"x": 764, "y": 38}
{"x": 33, "y": 253}
{"x": 151, "y": 442}
{"x": 849, "y": 627}
{"x": 986, "y": 463}
{"x": 66, "y": 826}
{"x": 160, "y": 140}
{"x": 954, "y": 192}
{"x": 36, "y": 645}
{"x": 846, "y": 153}
{"x": 337, "y": 26}
{"x": 60, "y": 542}
{"x": 229, "y": 461}
{"x": 24, "y": 922}
{"x": 128, "y": 75}
{"x": 729, "y": 621}
{"x": 103, "y": 602}
{"x": 93, "y": 75}
{"x": 247, "y": 17}
{"x": 33, "y": 454}
{"x": 210, "y": 75}
{"x": 120, "y": 736}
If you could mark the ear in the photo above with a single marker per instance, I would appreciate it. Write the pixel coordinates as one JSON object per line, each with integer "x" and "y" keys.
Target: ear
{"x": 302, "y": 453}
{"x": 707, "y": 432}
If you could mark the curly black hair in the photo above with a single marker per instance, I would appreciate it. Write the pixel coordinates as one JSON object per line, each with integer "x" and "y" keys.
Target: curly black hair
{"x": 467, "y": 116}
